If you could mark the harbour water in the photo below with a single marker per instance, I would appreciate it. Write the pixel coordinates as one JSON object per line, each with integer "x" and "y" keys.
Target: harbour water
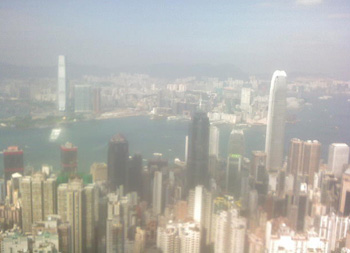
{"x": 327, "y": 121}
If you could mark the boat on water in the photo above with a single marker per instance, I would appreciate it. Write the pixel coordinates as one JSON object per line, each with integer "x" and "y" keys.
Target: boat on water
{"x": 178, "y": 118}
{"x": 325, "y": 97}
{"x": 55, "y": 133}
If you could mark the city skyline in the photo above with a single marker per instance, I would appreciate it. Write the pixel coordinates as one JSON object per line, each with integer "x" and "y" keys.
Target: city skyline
{"x": 173, "y": 128}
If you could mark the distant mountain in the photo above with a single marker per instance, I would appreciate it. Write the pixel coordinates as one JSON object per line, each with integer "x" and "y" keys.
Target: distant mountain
{"x": 14, "y": 71}
{"x": 199, "y": 70}
{"x": 165, "y": 70}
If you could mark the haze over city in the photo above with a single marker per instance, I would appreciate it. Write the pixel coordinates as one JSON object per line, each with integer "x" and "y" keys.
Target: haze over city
{"x": 175, "y": 126}
{"x": 169, "y": 38}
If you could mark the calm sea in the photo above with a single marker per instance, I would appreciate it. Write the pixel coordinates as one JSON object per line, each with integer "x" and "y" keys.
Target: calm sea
{"x": 327, "y": 121}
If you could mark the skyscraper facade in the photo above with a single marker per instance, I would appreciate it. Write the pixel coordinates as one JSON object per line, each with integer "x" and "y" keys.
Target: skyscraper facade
{"x": 157, "y": 193}
{"x": 304, "y": 158}
{"x": 230, "y": 232}
{"x": 311, "y": 159}
{"x": 276, "y": 121}
{"x": 236, "y": 144}
{"x": 38, "y": 198}
{"x": 258, "y": 160}
{"x": 198, "y": 151}
{"x": 135, "y": 174}
{"x": 82, "y": 98}
{"x": 214, "y": 141}
{"x": 295, "y": 156}
{"x": 13, "y": 162}
{"x": 179, "y": 237}
{"x": 80, "y": 211}
{"x": 233, "y": 175}
{"x": 118, "y": 157}
{"x": 246, "y": 98}
{"x": 62, "y": 84}
{"x": 26, "y": 196}
{"x": 344, "y": 203}
{"x": 96, "y": 100}
{"x": 338, "y": 156}
{"x": 69, "y": 157}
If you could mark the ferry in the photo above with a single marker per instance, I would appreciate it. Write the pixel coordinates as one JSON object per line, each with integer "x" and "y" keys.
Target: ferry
{"x": 55, "y": 133}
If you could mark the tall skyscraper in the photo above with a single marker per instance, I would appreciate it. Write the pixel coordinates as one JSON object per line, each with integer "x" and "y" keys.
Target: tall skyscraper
{"x": 96, "y": 100}
{"x": 26, "y": 196}
{"x": 62, "y": 84}
{"x": 75, "y": 214}
{"x": 198, "y": 204}
{"x": 214, "y": 141}
{"x": 82, "y": 98}
{"x": 246, "y": 98}
{"x": 334, "y": 229}
{"x": 236, "y": 144}
{"x": 276, "y": 115}
{"x": 304, "y": 158}
{"x": 81, "y": 215}
{"x": 344, "y": 203}
{"x": 230, "y": 232}
{"x": 258, "y": 160}
{"x": 338, "y": 156}
{"x": 200, "y": 209}
{"x": 135, "y": 174}
{"x": 295, "y": 156}
{"x": 311, "y": 159}
{"x": 118, "y": 157}
{"x": 38, "y": 197}
{"x": 13, "y": 162}
{"x": 90, "y": 216}
{"x": 69, "y": 158}
{"x": 179, "y": 237}
{"x": 62, "y": 201}
{"x": 50, "y": 196}
{"x": 157, "y": 193}
{"x": 198, "y": 151}
{"x": 233, "y": 175}
{"x": 99, "y": 172}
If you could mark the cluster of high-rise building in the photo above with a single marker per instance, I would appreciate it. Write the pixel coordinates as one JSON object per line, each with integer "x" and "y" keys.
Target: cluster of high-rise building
{"x": 80, "y": 98}
{"x": 259, "y": 202}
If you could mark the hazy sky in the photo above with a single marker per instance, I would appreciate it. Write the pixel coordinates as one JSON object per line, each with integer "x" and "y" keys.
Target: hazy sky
{"x": 296, "y": 35}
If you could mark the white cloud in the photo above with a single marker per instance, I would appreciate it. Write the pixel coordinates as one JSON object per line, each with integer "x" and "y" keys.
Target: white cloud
{"x": 309, "y": 2}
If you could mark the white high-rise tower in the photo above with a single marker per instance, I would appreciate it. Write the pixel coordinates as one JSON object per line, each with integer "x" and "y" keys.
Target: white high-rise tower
{"x": 157, "y": 193}
{"x": 62, "y": 84}
{"x": 276, "y": 121}
{"x": 338, "y": 157}
{"x": 214, "y": 135}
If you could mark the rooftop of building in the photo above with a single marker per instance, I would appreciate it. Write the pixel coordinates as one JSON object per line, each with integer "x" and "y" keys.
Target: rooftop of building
{"x": 118, "y": 138}
{"x": 339, "y": 145}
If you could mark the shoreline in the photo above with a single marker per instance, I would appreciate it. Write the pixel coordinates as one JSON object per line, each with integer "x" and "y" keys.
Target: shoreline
{"x": 32, "y": 123}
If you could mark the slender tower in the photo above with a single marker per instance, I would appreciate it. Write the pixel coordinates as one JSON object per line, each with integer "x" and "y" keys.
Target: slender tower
{"x": 276, "y": 121}
{"x": 198, "y": 150}
{"x": 118, "y": 157}
{"x": 214, "y": 136}
{"x": 62, "y": 84}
